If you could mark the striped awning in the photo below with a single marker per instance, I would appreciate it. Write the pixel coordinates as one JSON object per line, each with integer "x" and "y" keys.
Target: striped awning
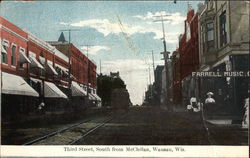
{"x": 35, "y": 63}
{"x": 16, "y": 85}
{"x": 24, "y": 58}
{"x": 77, "y": 90}
{"x": 52, "y": 91}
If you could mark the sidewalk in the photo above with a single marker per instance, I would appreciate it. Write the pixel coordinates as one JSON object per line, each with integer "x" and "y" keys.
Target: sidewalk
{"x": 221, "y": 130}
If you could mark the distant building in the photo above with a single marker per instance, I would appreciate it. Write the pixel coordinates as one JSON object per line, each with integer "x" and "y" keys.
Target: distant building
{"x": 177, "y": 92}
{"x": 115, "y": 74}
{"x": 158, "y": 84}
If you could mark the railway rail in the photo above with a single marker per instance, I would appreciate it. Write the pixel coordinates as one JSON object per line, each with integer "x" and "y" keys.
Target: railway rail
{"x": 54, "y": 137}
{"x": 67, "y": 129}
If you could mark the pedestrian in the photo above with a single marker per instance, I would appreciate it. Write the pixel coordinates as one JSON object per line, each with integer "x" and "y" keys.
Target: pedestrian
{"x": 209, "y": 98}
{"x": 245, "y": 122}
{"x": 193, "y": 102}
{"x": 209, "y": 105}
{"x": 41, "y": 108}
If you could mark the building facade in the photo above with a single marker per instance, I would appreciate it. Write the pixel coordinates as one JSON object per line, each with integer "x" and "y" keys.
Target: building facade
{"x": 224, "y": 46}
{"x": 187, "y": 59}
{"x": 17, "y": 96}
{"x": 35, "y": 72}
{"x": 82, "y": 71}
{"x": 177, "y": 95}
{"x": 158, "y": 84}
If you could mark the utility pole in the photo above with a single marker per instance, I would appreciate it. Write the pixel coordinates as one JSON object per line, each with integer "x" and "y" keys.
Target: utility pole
{"x": 149, "y": 75}
{"x": 69, "y": 51}
{"x": 153, "y": 63}
{"x": 87, "y": 50}
{"x": 69, "y": 55}
{"x": 100, "y": 66}
{"x": 165, "y": 53}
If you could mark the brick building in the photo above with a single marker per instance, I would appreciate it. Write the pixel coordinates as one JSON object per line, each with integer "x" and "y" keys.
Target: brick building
{"x": 82, "y": 69}
{"x": 17, "y": 96}
{"x": 188, "y": 59}
{"x": 33, "y": 71}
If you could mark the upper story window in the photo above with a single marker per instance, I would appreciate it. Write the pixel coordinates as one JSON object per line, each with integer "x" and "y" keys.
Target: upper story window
{"x": 21, "y": 64}
{"x": 223, "y": 29}
{"x": 4, "y": 51}
{"x": 210, "y": 36}
{"x": 188, "y": 32}
{"x": 13, "y": 55}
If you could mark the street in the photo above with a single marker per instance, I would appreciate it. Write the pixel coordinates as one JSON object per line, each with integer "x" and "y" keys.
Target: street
{"x": 133, "y": 126}
{"x": 154, "y": 126}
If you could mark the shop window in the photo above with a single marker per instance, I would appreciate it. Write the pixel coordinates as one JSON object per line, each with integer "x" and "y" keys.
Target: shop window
{"x": 223, "y": 29}
{"x": 13, "y": 55}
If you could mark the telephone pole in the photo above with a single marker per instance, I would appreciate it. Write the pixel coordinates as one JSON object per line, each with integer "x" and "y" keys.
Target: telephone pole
{"x": 165, "y": 54}
{"x": 153, "y": 64}
{"x": 100, "y": 66}
{"x": 87, "y": 50}
{"x": 69, "y": 51}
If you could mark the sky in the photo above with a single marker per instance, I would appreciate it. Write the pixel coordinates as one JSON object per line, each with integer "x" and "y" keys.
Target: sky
{"x": 121, "y": 34}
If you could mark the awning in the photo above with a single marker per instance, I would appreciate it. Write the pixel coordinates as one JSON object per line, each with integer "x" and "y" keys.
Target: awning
{"x": 61, "y": 67}
{"x": 24, "y": 58}
{"x": 16, "y": 85}
{"x": 3, "y": 50}
{"x": 91, "y": 97}
{"x": 97, "y": 97}
{"x": 52, "y": 91}
{"x": 51, "y": 68}
{"x": 35, "y": 63}
{"x": 77, "y": 90}
{"x": 72, "y": 76}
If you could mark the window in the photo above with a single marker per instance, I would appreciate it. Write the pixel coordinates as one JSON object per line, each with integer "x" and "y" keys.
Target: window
{"x": 203, "y": 38}
{"x": 223, "y": 29}
{"x": 13, "y": 55}
{"x": 210, "y": 36}
{"x": 4, "y": 51}
{"x": 21, "y": 64}
{"x": 188, "y": 32}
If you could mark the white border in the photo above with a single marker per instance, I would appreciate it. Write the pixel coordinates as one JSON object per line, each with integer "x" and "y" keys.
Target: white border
{"x": 189, "y": 151}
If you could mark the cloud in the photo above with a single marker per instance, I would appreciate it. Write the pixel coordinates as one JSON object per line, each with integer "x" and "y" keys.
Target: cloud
{"x": 107, "y": 27}
{"x": 94, "y": 49}
{"x": 172, "y": 18}
{"x": 63, "y": 23}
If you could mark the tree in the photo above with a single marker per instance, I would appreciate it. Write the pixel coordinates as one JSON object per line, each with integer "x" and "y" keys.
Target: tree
{"x": 105, "y": 86}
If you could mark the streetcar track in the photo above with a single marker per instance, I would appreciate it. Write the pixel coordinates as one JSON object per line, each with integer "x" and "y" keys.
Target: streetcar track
{"x": 63, "y": 130}
{"x": 94, "y": 129}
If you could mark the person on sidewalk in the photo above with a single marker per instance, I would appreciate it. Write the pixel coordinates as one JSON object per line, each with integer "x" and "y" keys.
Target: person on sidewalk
{"x": 245, "y": 122}
{"x": 40, "y": 108}
{"x": 209, "y": 98}
{"x": 209, "y": 105}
